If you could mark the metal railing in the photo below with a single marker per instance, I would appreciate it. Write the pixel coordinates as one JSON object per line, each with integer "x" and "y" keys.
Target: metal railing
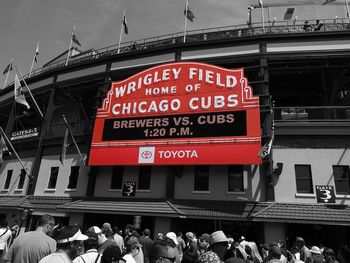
{"x": 312, "y": 114}
{"x": 202, "y": 35}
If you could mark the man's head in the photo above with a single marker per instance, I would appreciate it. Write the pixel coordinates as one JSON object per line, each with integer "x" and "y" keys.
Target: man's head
{"x": 147, "y": 232}
{"x": 218, "y": 243}
{"x": 91, "y": 242}
{"x": 189, "y": 236}
{"x": 112, "y": 254}
{"x": 70, "y": 240}
{"x": 299, "y": 242}
{"x": 275, "y": 252}
{"x": 101, "y": 237}
{"x": 163, "y": 251}
{"x": 46, "y": 223}
{"x": 203, "y": 241}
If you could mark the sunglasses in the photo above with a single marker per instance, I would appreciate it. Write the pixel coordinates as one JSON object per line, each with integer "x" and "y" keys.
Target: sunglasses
{"x": 165, "y": 260}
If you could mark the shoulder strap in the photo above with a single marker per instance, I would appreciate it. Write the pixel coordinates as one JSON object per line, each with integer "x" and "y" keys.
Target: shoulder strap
{"x": 4, "y": 232}
{"x": 82, "y": 259}
{"x": 98, "y": 256}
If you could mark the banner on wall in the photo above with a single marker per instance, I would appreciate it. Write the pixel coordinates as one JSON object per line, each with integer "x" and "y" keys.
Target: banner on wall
{"x": 178, "y": 113}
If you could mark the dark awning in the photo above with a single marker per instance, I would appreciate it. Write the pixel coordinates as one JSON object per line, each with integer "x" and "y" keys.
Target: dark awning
{"x": 326, "y": 214}
{"x": 145, "y": 208}
{"x": 11, "y": 202}
{"x": 223, "y": 210}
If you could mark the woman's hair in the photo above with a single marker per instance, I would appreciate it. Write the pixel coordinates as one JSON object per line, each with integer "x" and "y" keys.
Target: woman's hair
{"x": 255, "y": 251}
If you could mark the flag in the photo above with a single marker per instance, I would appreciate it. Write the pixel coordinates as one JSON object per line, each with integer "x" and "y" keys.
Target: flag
{"x": 3, "y": 147}
{"x": 125, "y": 25}
{"x": 36, "y": 53}
{"x": 64, "y": 146}
{"x": 8, "y": 68}
{"x": 266, "y": 149}
{"x": 261, "y": 3}
{"x": 328, "y": 1}
{"x": 19, "y": 96}
{"x": 75, "y": 39}
{"x": 189, "y": 14}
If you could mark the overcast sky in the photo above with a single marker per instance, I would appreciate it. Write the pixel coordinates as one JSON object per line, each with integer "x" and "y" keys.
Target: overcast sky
{"x": 25, "y": 22}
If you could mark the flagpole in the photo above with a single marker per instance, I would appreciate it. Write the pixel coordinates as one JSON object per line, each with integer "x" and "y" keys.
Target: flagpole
{"x": 121, "y": 32}
{"x": 186, "y": 9}
{"x": 75, "y": 143}
{"x": 30, "y": 93}
{"x": 70, "y": 46}
{"x": 13, "y": 150}
{"x": 347, "y": 9}
{"x": 262, "y": 15}
{"x": 7, "y": 74}
{"x": 31, "y": 68}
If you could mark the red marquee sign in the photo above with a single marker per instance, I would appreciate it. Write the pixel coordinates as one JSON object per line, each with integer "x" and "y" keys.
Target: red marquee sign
{"x": 179, "y": 113}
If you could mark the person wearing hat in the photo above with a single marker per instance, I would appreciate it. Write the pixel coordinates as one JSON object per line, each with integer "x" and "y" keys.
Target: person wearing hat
{"x": 203, "y": 243}
{"x": 146, "y": 243}
{"x": 132, "y": 249}
{"x": 112, "y": 254}
{"x": 103, "y": 242}
{"x": 69, "y": 241}
{"x": 32, "y": 246}
{"x": 91, "y": 255}
{"x": 302, "y": 249}
{"x": 218, "y": 244}
{"x": 317, "y": 256}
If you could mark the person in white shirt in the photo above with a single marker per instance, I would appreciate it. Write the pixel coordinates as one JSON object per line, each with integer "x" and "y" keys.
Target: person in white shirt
{"x": 90, "y": 246}
{"x": 5, "y": 234}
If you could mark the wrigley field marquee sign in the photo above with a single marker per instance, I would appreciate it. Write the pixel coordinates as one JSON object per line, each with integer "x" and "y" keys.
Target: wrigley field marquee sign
{"x": 179, "y": 113}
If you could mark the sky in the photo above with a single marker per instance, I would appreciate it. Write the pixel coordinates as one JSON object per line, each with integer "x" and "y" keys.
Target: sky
{"x": 25, "y": 22}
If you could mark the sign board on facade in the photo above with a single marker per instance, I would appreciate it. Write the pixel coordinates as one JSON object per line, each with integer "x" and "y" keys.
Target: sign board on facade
{"x": 178, "y": 113}
{"x": 325, "y": 194}
{"x": 24, "y": 134}
{"x": 129, "y": 188}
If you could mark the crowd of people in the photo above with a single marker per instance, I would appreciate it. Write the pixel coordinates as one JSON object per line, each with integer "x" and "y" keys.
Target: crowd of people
{"x": 53, "y": 244}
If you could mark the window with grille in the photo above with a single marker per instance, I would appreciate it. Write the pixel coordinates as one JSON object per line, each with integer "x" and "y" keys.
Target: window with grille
{"x": 341, "y": 179}
{"x": 235, "y": 178}
{"x": 117, "y": 177}
{"x": 201, "y": 178}
{"x": 303, "y": 179}
{"x": 73, "y": 177}
{"x": 53, "y": 178}
{"x": 144, "y": 182}
{"x": 8, "y": 179}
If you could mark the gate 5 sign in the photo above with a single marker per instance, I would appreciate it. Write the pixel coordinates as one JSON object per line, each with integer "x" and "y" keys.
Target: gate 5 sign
{"x": 179, "y": 113}
{"x": 325, "y": 194}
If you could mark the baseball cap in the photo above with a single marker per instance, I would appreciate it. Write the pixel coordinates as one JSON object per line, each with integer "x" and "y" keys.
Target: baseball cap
{"x": 172, "y": 236}
{"x": 112, "y": 253}
{"x": 95, "y": 229}
{"x": 205, "y": 237}
{"x": 69, "y": 234}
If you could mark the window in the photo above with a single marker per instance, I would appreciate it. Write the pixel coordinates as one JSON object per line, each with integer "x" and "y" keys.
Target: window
{"x": 73, "y": 177}
{"x": 22, "y": 177}
{"x": 117, "y": 177}
{"x": 144, "y": 177}
{"x": 342, "y": 179}
{"x": 8, "y": 179}
{"x": 53, "y": 178}
{"x": 303, "y": 179}
{"x": 201, "y": 178}
{"x": 235, "y": 178}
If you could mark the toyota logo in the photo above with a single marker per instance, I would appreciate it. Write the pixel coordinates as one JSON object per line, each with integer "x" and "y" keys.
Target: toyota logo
{"x": 146, "y": 154}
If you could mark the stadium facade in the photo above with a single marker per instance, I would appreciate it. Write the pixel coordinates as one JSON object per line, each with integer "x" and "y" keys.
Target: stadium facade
{"x": 302, "y": 187}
